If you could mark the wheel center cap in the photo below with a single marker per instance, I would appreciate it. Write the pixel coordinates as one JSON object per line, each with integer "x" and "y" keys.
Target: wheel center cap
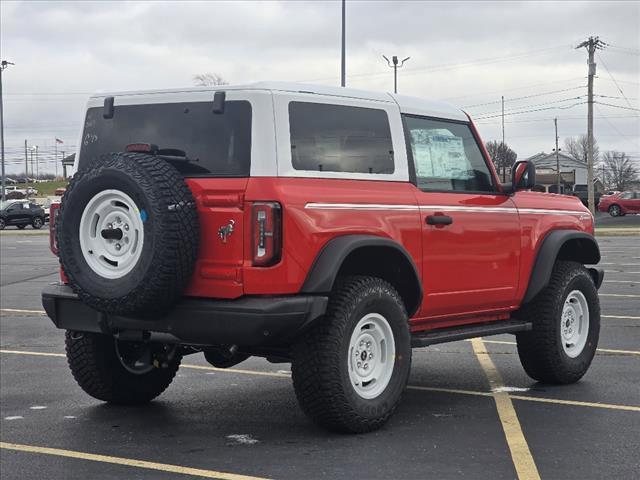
{"x": 363, "y": 356}
{"x": 112, "y": 233}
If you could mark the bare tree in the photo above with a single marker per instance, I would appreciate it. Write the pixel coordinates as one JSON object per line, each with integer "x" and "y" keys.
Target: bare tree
{"x": 619, "y": 170}
{"x": 209, "y": 80}
{"x": 501, "y": 156}
{"x": 577, "y": 148}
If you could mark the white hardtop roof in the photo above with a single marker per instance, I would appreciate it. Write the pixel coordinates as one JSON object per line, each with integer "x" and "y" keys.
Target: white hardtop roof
{"x": 407, "y": 104}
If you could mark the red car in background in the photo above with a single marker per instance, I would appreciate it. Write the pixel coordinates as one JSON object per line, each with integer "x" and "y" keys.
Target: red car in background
{"x": 620, "y": 203}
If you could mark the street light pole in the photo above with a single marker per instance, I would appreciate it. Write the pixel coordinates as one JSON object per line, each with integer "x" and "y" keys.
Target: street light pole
{"x": 393, "y": 63}
{"x": 343, "y": 69}
{"x": 4, "y": 64}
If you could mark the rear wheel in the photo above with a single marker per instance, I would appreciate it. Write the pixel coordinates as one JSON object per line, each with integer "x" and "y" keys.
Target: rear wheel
{"x": 566, "y": 326}
{"x": 114, "y": 371}
{"x": 37, "y": 223}
{"x": 350, "y": 370}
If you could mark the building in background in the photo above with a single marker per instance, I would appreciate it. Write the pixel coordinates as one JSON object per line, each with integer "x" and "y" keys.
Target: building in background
{"x": 572, "y": 172}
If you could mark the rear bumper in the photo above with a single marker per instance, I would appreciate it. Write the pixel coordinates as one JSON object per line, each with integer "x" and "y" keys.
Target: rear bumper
{"x": 247, "y": 321}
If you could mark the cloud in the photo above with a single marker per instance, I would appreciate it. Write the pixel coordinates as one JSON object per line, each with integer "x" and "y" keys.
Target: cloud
{"x": 470, "y": 52}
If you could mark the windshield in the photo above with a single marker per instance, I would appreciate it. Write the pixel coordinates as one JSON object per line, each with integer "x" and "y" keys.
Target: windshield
{"x": 213, "y": 144}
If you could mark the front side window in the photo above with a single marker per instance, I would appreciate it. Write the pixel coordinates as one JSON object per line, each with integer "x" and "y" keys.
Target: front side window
{"x": 339, "y": 138}
{"x": 626, "y": 196}
{"x": 446, "y": 156}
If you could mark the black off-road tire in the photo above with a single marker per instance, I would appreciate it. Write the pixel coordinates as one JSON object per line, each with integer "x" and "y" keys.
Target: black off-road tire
{"x": 540, "y": 350}
{"x": 97, "y": 369}
{"x": 37, "y": 223}
{"x": 171, "y": 235}
{"x": 2, "y": 223}
{"x": 320, "y": 358}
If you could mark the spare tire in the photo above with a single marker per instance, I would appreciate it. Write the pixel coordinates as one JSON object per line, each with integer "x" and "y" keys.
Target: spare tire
{"x": 128, "y": 234}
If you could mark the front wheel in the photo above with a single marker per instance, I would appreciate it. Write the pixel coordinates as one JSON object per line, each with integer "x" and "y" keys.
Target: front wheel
{"x": 2, "y": 224}
{"x": 566, "y": 327}
{"x": 350, "y": 370}
{"x": 126, "y": 373}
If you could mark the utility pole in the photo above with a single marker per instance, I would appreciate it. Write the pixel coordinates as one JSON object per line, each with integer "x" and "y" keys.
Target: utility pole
{"x": 592, "y": 44}
{"x": 557, "y": 150}
{"x": 37, "y": 177}
{"x": 393, "y": 63}
{"x": 343, "y": 70}
{"x": 504, "y": 164}
{"x": 3, "y": 64}
{"x": 55, "y": 157}
{"x": 26, "y": 161}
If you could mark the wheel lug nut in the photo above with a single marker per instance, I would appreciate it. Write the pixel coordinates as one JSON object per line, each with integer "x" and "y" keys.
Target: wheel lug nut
{"x": 368, "y": 344}
{"x": 110, "y": 226}
{"x": 359, "y": 365}
{"x": 126, "y": 226}
{"x": 366, "y": 366}
{"x": 370, "y": 356}
{"x": 118, "y": 246}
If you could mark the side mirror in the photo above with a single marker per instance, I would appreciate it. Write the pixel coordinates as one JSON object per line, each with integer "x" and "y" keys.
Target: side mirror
{"x": 523, "y": 176}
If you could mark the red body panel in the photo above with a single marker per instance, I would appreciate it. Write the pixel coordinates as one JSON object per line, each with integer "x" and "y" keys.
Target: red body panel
{"x": 476, "y": 269}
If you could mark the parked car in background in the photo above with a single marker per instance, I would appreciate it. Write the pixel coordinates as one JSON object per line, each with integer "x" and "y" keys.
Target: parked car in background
{"x": 21, "y": 213}
{"x": 59, "y": 191}
{"x": 620, "y": 203}
{"x": 581, "y": 191}
{"x": 610, "y": 192}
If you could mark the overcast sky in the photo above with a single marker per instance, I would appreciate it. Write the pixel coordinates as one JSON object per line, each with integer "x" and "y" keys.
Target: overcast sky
{"x": 467, "y": 53}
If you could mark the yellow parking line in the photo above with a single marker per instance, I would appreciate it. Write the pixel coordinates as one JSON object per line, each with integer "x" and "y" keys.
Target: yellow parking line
{"x": 42, "y": 354}
{"x": 622, "y": 317}
{"x": 163, "y": 467}
{"x": 600, "y": 350}
{"x": 15, "y": 310}
{"x": 236, "y": 370}
{"x": 618, "y": 295}
{"x": 520, "y": 454}
{"x": 610, "y": 406}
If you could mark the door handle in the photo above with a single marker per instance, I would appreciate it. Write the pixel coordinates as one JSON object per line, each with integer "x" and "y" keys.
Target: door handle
{"x": 439, "y": 220}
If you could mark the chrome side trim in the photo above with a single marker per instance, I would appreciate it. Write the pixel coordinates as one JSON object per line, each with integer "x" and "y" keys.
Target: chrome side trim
{"x": 450, "y": 208}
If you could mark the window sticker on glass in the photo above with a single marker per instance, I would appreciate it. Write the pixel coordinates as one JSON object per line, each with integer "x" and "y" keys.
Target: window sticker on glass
{"x": 446, "y": 156}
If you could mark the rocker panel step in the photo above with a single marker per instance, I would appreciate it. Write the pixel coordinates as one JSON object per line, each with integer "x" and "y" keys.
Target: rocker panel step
{"x": 443, "y": 335}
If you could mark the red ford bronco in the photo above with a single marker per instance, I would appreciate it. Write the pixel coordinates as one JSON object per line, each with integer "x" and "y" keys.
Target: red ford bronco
{"x": 331, "y": 228}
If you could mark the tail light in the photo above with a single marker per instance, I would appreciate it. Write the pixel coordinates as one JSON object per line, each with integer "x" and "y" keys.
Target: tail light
{"x": 266, "y": 219}
{"x": 54, "y": 211}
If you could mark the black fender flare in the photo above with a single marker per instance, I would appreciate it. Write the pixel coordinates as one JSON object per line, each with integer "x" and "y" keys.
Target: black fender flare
{"x": 586, "y": 251}
{"x": 327, "y": 265}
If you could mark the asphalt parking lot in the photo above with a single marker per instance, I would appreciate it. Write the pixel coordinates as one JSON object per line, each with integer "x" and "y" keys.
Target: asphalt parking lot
{"x": 245, "y": 421}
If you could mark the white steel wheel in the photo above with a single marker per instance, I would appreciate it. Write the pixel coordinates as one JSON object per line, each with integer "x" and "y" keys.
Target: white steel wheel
{"x": 371, "y": 356}
{"x": 112, "y": 234}
{"x": 574, "y": 326}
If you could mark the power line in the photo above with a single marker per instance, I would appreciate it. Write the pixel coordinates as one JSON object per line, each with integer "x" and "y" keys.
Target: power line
{"x": 541, "y": 94}
{"x": 618, "y": 106}
{"x": 535, "y": 110}
{"x": 534, "y": 105}
{"x": 614, "y": 80}
{"x": 451, "y": 66}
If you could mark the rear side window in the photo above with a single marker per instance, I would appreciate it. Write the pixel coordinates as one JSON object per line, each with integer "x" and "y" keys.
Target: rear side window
{"x": 214, "y": 144}
{"x": 446, "y": 156}
{"x": 339, "y": 138}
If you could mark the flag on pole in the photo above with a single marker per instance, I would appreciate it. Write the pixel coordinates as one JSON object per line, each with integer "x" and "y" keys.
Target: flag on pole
{"x": 59, "y": 141}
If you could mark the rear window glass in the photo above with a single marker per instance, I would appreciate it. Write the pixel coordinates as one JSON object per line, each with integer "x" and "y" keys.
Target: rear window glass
{"x": 339, "y": 138}
{"x": 214, "y": 144}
